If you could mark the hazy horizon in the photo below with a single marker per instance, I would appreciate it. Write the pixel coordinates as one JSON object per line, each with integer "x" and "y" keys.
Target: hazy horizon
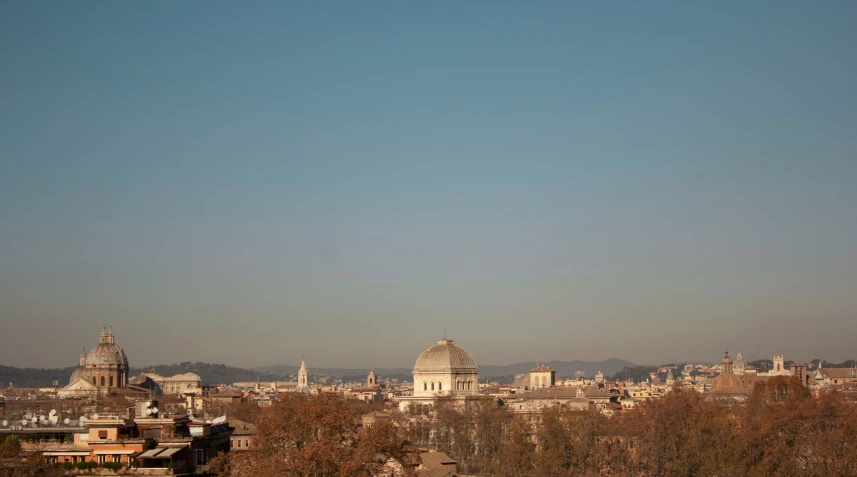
{"x": 551, "y": 181}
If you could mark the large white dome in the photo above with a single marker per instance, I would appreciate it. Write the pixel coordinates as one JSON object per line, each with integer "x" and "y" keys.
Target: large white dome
{"x": 445, "y": 356}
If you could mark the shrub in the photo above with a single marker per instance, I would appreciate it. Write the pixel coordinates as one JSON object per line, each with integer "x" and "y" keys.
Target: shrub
{"x": 112, "y": 465}
{"x": 86, "y": 465}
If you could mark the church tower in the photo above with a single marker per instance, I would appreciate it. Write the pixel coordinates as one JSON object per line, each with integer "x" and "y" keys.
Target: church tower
{"x": 303, "y": 379}
{"x": 726, "y": 363}
{"x": 303, "y": 375}
{"x": 779, "y": 364}
{"x": 372, "y": 380}
{"x": 670, "y": 378}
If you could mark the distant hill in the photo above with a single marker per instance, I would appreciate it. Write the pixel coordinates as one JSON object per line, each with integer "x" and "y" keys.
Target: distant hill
{"x": 209, "y": 373}
{"x": 563, "y": 368}
{"x": 223, "y": 374}
{"x": 34, "y": 377}
{"x": 287, "y": 369}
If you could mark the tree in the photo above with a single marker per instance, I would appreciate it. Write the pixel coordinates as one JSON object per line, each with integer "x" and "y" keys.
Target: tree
{"x": 316, "y": 436}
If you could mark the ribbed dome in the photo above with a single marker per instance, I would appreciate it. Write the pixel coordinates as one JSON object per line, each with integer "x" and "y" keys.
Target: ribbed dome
{"x": 107, "y": 353}
{"x": 445, "y": 356}
{"x": 726, "y": 382}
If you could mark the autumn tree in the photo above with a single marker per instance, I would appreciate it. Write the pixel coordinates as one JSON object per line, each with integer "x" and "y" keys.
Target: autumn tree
{"x": 316, "y": 436}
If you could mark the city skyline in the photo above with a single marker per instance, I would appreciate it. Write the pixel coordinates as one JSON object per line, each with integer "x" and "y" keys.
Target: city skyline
{"x": 553, "y": 182}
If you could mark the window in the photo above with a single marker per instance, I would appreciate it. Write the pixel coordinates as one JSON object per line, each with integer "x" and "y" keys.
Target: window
{"x": 425, "y": 386}
{"x": 440, "y": 386}
{"x": 102, "y": 380}
{"x": 117, "y": 458}
{"x": 231, "y": 443}
{"x": 93, "y": 381}
{"x": 102, "y": 459}
{"x": 111, "y": 381}
{"x": 432, "y": 385}
{"x": 246, "y": 442}
{"x": 102, "y": 434}
{"x": 239, "y": 442}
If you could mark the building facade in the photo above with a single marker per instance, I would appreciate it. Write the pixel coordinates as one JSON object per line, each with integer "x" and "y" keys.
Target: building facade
{"x": 444, "y": 370}
{"x": 542, "y": 377}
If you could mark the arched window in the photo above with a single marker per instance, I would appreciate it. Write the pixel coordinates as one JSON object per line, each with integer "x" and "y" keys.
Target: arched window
{"x": 440, "y": 386}
{"x": 102, "y": 380}
{"x": 93, "y": 381}
{"x": 111, "y": 381}
{"x": 425, "y": 386}
{"x": 432, "y": 385}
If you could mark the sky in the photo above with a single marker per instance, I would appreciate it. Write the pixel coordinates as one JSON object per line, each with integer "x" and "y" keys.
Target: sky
{"x": 241, "y": 183}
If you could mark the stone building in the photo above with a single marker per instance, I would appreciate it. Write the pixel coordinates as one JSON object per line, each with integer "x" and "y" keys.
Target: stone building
{"x": 180, "y": 383}
{"x": 103, "y": 368}
{"x": 740, "y": 366}
{"x": 445, "y": 370}
{"x": 303, "y": 380}
{"x": 542, "y": 377}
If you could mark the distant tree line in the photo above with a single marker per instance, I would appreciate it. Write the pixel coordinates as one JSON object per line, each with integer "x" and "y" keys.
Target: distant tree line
{"x": 636, "y": 373}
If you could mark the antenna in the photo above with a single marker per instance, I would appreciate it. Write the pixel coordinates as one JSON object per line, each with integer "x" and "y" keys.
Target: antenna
{"x": 444, "y": 331}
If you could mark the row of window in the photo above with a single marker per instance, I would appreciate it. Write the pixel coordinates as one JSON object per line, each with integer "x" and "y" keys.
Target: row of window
{"x": 237, "y": 442}
{"x": 103, "y": 381}
{"x": 459, "y": 386}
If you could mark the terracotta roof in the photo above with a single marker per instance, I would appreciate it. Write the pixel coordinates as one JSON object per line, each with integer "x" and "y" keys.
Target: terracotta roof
{"x": 550, "y": 393}
{"x": 242, "y": 428}
{"x": 436, "y": 459}
{"x": 543, "y": 369}
{"x": 837, "y": 373}
{"x": 725, "y": 382}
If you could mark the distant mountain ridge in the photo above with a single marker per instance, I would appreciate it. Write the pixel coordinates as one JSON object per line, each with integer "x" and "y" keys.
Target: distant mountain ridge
{"x": 563, "y": 368}
{"x": 209, "y": 373}
{"x": 223, "y": 374}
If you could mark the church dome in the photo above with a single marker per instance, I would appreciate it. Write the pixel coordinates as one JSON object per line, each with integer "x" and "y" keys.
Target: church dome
{"x": 107, "y": 353}
{"x": 445, "y": 356}
{"x": 77, "y": 374}
{"x": 726, "y": 382}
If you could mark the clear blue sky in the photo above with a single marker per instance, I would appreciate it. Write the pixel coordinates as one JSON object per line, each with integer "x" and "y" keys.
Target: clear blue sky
{"x": 552, "y": 180}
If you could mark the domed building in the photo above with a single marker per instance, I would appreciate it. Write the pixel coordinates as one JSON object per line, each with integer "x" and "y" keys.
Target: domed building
{"x": 727, "y": 384}
{"x": 445, "y": 370}
{"x": 104, "y": 367}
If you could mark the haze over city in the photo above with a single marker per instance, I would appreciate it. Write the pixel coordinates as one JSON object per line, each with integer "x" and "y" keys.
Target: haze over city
{"x": 556, "y": 181}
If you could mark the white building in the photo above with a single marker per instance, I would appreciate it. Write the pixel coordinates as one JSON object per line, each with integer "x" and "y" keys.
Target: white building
{"x": 443, "y": 371}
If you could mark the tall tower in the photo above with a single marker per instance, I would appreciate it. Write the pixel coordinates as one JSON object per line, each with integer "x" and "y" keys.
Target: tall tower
{"x": 670, "y": 378}
{"x": 303, "y": 380}
{"x": 779, "y": 364}
{"x": 726, "y": 363}
{"x": 372, "y": 380}
{"x": 303, "y": 375}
